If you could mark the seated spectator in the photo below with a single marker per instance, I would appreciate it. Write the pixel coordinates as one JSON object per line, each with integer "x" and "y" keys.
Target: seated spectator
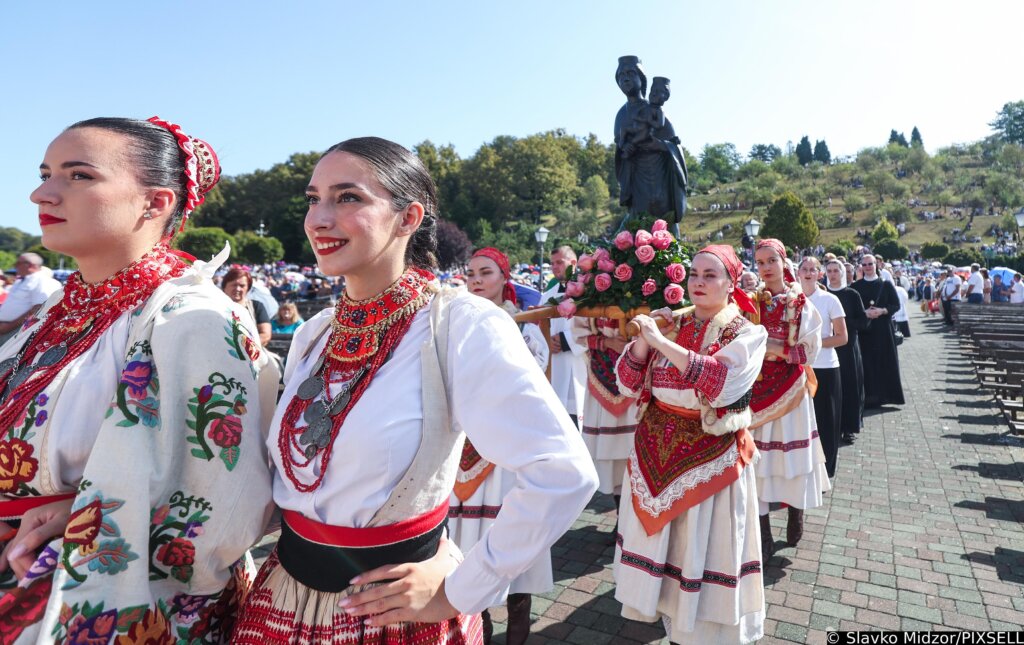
{"x": 287, "y": 319}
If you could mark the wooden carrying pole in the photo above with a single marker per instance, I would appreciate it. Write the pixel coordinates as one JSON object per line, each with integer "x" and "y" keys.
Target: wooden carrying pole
{"x": 542, "y": 317}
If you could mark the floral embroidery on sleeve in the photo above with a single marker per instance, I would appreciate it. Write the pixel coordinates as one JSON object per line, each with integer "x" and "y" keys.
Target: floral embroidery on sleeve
{"x": 92, "y": 539}
{"x": 630, "y": 370}
{"x": 138, "y": 391}
{"x": 173, "y": 528}
{"x": 214, "y": 413}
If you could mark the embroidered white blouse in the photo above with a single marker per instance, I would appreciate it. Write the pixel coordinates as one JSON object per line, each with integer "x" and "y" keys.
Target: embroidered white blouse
{"x": 499, "y": 397}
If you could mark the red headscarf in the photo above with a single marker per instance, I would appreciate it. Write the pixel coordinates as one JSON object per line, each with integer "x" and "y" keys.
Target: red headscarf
{"x": 780, "y": 248}
{"x": 509, "y": 292}
{"x": 727, "y": 256}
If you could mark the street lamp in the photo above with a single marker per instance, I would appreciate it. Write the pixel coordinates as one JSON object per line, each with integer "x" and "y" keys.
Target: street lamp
{"x": 262, "y": 231}
{"x": 541, "y": 236}
{"x": 752, "y": 228}
{"x": 1019, "y": 216}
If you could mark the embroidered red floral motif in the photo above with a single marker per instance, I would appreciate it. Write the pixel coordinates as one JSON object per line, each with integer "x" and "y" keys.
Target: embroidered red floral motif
{"x": 178, "y": 552}
{"x": 226, "y": 431}
{"x": 17, "y": 466}
{"x": 153, "y": 629}
{"x": 23, "y": 606}
{"x": 84, "y": 524}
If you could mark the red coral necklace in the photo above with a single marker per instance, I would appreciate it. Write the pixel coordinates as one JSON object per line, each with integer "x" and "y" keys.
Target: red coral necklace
{"x": 364, "y": 333}
{"x": 73, "y": 325}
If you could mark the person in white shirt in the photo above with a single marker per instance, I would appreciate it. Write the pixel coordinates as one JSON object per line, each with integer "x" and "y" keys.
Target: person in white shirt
{"x": 975, "y": 286}
{"x": 568, "y": 356}
{"x": 1017, "y": 290}
{"x": 828, "y": 398}
{"x": 367, "y": 438}
{"x": 900, "y": 318}
{"x": 949, "y": 293}
{"x": 25, "y": 296}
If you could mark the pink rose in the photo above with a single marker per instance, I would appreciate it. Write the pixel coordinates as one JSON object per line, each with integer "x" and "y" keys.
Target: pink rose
{"x": 642, "y": 237}
{"x": 659, "y": 225}
{"x": 675, "y": 272}
{"x": 602, "y": 282}
{"x": 673, "y": 294}
{"x": 606, "y": 265}
{"x": 645, "y": 253}
{"x": 586, "y": 278}
{"x": 574, "y": 289}
{"x": 567, "y": 307}
{"x": 585, "y": 263}
{"x": 623, "y": 272}
{"x": 649, "y": 287}
{"x": 623, "y": 240}
{"x": 661, "y": 240}
{"x": 601, "y": 254}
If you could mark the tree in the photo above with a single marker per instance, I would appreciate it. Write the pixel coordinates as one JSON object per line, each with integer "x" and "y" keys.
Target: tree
{"x": 884, "y": 230}
{"x": 934, "y": 250}
{"x": 804, "y": 153}
{"x": 254, "y": 249}
{"x": 915, "y": 160}
{"x": 898, "y": 138}
{"x": 854, "y": 203}
{"x": 881, "y": 182}
{"x": 821, "y": 152}
{"x": 595, "y": 193}
{"x": 203, "y": 242}
{"x": 915, "y": 138}
{"x": 15, "y": 240}
{"x": 789, "y": 220}
{"x": 963, "y": 257}
{"x": 453, "y": 245}
{"x": 945, "y": 199}
{"x": 7, "y": 260}
{"x": 891, "y": 250}
{"x": 843, "y": 246}
{"x": 720, "y": 161}
{"x": 1009, "y": 123}
{"x": 766, "y": 152}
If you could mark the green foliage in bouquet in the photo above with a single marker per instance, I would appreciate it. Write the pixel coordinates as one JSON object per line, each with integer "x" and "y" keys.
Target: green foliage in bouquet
{"x": 642, "y": 265}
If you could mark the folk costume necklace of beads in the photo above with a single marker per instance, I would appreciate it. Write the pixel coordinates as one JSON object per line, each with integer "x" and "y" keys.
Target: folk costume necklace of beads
{"x": 364, "y": 333}
{"x": 73, "y": 325}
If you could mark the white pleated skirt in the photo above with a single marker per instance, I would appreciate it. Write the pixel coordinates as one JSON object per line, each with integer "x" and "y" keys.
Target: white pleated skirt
{"x": 701, "y": 574}
{"x": 469, "y": 520}
{"x": 791, "y": 468}
{"x": 609, "y": 438}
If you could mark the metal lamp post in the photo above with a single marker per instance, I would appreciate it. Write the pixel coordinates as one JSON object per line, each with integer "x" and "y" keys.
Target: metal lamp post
{"x": 752, "y": 228}
{"x": 1019, "y": 216}
{"x": 541, "y": 236}
{"x": 262, "y": 230}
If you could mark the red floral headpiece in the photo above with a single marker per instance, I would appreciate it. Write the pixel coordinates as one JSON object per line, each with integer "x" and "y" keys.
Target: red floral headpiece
{"x": 509, "y": 292}
{"x": 202, "y": 169}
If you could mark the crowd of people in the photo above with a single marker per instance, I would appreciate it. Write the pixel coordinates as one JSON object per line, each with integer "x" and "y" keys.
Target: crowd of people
{"x": 416, "y": 458}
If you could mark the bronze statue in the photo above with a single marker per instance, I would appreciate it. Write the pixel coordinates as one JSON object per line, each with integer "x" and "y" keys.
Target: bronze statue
{"x": 649, "y": 162}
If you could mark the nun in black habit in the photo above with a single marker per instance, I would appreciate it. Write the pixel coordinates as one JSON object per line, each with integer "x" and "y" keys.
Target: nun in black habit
{"x": 851, "y": 369}
{"x": 882, "y": 373}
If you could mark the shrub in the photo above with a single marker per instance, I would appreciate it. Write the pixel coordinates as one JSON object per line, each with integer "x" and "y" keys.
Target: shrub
{"x": 963, "y": 257}
{"x": 203, "y": 242}
{"x": 934, "y": 250}
{"x": 891, "y": 250}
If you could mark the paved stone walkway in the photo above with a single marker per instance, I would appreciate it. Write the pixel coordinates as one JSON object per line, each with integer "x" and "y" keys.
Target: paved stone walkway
{"x": 922, "y": 530}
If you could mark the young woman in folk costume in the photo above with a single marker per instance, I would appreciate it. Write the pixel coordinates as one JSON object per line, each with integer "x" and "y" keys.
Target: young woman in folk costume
{"x": 368, "y": 436}
{"x": 609, "y": 415}
{"x": 133, "y": 469}
{"x": 479, "y": 485}
{"x": 792, "y": 465}
{"x": 689, "y": 546}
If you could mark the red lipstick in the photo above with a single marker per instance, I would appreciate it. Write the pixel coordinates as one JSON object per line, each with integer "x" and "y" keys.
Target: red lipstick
{"x": 45, "y": 219}
{"x": 328, "y": 245}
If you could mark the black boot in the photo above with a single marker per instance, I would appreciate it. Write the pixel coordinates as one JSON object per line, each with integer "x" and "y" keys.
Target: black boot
{"x": 767, "y": 542}
{"x": 615, "y": 529}
{"x": 518, "y": 618}
{"x": 795, "y": 526}
{"x": 485, "y": 618}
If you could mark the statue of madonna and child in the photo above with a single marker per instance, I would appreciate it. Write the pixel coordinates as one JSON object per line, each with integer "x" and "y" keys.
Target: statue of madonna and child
{"x": 649, "y": 164}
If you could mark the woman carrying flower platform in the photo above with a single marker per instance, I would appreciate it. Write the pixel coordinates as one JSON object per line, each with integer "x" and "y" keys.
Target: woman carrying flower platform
{"x": 133, "y": 473}
{"x": 689, "y": 551}
{"x": 791, "y": 470}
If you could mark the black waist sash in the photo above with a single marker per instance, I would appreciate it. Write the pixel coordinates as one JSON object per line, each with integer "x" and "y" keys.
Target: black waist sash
{"x": 329, "y": 569}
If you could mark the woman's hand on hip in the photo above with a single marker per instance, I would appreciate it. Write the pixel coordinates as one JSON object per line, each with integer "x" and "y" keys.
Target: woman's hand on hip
{"x": 411, "y": 592}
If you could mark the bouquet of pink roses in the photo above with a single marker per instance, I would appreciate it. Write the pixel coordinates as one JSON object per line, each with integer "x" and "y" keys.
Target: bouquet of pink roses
{"x": 642, "y": 268}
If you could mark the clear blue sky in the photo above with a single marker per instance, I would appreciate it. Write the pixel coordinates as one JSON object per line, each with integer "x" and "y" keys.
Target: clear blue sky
{"x": 261, "y": 79}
